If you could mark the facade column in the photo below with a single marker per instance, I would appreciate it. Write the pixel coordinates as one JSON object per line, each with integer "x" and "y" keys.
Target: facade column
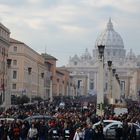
{"x": 110, "y": 97}
{"x": 63, "y": 89}
{"x": 58, "y": 88}
{"x": 68, "y": 88}
{"x": 51, "y": 90}
{"x": 7, "y": 103}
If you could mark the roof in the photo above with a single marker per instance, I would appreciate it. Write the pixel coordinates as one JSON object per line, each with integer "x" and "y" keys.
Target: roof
{"x": 63, "y": 69}
{"x": 48, "y": 57}
{"x": 4, "y": 27}
{"x": 15, "y": 41}
{"x": 110, "y": 38}
{"x": 60, "y": 72}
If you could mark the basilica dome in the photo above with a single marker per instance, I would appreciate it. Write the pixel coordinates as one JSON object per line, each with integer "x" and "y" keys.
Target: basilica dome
{"x": 110, "y": 38}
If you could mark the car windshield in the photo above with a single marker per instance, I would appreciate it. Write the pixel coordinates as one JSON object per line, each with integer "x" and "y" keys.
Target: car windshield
{"x": 39, "y": 118}
{"x": 106, "y": 123}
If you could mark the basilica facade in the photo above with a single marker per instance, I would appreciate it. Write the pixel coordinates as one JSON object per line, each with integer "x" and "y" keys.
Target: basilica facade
{"x": 84, "y": 68}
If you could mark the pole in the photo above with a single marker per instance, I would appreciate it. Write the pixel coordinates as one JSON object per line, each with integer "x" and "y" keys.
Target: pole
{"x": 30, "y": 84}
{"x": 111, "y": 97}
{"x": 100, "y": 94}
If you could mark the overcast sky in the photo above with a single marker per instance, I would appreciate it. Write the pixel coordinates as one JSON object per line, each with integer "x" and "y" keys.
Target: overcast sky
{"x": 67, "y": 27}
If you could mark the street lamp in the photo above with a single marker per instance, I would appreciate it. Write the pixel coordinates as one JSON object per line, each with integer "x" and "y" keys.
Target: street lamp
{"x": 101, "y": 51}
{"x": 8, "y": 93}
{"x": 30, "y": 88}
{"x": 100, "y": 95}
{"x": 110, "y": 81}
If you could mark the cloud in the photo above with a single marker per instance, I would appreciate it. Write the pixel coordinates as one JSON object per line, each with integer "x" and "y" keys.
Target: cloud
{"x": 125, "y": 5}
{"x": 34, "y": 1}
{"x": 64, "y": 24}
{"x": 4, "y": 8}
{"x": 73, "y": 29}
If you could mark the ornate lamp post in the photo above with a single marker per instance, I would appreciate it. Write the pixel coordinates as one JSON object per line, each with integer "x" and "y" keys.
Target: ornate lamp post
{"x": 100, "y": 94}
{"x": 30, "y": 87}
{"x": 110, "y": 82}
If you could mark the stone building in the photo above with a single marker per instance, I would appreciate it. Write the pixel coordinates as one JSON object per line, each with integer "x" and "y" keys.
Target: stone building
{"x": 4, "y": 46}
{"x": 85, "y": 67}
{"x": 27, "y": 70}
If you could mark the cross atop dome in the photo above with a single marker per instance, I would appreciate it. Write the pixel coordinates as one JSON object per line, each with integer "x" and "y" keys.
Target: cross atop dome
{"x": 109, "y": 25}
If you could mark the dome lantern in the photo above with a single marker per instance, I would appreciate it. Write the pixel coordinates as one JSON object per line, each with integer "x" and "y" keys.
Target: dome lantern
{"x": 109, "y": 25}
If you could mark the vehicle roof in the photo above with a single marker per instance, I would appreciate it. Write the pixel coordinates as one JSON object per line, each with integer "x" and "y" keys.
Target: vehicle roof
{"x": 38, "y": 117}
{"x": 106, "y": 121}
{"x": 113, "y": 123}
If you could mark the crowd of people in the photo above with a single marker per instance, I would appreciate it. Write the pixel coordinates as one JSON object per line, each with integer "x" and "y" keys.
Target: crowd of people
{"x": 70, "y": 122}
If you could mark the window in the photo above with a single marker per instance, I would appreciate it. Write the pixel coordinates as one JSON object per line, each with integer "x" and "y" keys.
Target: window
{"x": 14, "y": 74}
{"x": 122, "y": 85}
{"x": 14, "y": 62}
{"x": 15, "y": 48}
{"x": 114, "y": 126}
{"x": 14, "y": 86}
{"x": 114, "y": 53}
{"x": 75, "y": 63}
{"x": 91, "y": 84}
{"x": 3, "y": 51}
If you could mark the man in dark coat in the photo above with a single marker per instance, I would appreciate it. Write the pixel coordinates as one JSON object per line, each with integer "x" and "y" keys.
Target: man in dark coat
{"x": 119, "y": 132}
{"x": 89, "y": 133}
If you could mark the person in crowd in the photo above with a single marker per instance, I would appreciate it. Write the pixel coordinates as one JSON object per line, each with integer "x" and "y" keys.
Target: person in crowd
{"x": 53, "y": 132}
{"x": 99, "y": 134}
{"x": 42, "y": 131}
{"x": 132, "y": 132}
{"x": 119, "y": 132}
{"x": 1, "y": 129}
{"x": 32, "y": 133}
{"x": 125, "y": 130}
{"x": 79, "y": 134}
{"x": 23, "y": 132}
{"x": 66, "y": 132}
{"x": 89, "y": 133}
{"x": 16, "y": 131}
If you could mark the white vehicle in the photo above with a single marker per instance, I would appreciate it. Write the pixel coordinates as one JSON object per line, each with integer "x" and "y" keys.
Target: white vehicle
{"x": 105, "y": 123}
{"x": 110, "y": 130}
{"x": 119, "y": 111}
{"x": 9, "y": 120}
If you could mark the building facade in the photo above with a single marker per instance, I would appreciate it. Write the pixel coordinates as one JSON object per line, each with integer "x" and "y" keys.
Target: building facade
{"x": 27, "y": 71}
{"x": 87, "y": 65}
{"x": 4, "y": 46}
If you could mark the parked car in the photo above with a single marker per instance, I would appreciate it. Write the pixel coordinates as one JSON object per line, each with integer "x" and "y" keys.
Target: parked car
{"x": 38, "y": 117}
{"x": 9, "y": 120}
{"x": 110, "y": 130}
{"x": 105, "y": 123}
